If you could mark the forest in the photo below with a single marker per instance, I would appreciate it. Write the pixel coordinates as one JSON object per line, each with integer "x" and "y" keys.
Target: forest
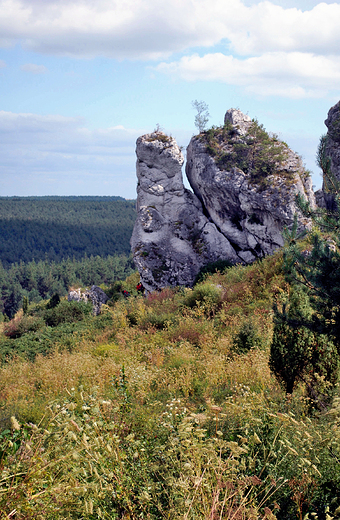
{"x": 51, "y": 243}
{"x": 57, "y": 228}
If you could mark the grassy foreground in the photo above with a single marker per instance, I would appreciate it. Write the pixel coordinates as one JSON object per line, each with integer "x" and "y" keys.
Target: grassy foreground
{"x": 164, "y": 408}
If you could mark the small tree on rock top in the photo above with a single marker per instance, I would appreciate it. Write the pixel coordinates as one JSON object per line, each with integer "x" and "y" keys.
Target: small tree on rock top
{"x": 202, "y": 116}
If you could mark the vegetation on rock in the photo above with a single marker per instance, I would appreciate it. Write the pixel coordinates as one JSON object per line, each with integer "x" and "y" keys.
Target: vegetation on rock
{"x": 258, "y": 154}
{"x": 202, "y": 116}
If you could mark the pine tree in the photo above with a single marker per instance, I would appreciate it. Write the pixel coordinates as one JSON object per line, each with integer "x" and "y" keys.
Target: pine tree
{"x": 306, "y": 340}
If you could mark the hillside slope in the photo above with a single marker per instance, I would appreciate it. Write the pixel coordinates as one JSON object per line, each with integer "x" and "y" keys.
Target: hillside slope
{"x": 162, "y": 408}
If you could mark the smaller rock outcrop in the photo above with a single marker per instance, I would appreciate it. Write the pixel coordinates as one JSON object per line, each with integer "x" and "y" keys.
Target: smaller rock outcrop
{"x": 240, "y": 122}
{"x": 172, "y": 238}
{"x": 96, "y": 295}
{"x": 329, "y": 159}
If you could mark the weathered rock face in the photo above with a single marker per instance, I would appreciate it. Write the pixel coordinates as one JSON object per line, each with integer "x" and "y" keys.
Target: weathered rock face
{"x": 96, "y": 295}
{"x": 250, "y": 214}
{"x": 333, "y": 139}
{"x": 324, "y": 198}
{"x": 172, "y": 238}
{"x": 241, "y": 122}
{"x": 229, "y": 216}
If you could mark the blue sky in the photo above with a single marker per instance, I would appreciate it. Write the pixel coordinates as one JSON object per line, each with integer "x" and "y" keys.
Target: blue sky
{"x": 81, "y": 80}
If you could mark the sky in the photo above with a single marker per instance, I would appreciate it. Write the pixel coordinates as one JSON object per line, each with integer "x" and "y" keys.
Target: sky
{"x": 80, "y": 80}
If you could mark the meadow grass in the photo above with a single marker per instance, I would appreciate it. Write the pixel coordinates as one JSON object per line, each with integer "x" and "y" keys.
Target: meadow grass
{"x": 157, "y": 413}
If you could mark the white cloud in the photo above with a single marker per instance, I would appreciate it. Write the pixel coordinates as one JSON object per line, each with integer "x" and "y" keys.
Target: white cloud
{"x": 149, "y": 29}
{"x": 58, "y": 155}
{"x": 264, "y": 48}
{"x": 33, "y": 68}
{"x": 294, "y": 74}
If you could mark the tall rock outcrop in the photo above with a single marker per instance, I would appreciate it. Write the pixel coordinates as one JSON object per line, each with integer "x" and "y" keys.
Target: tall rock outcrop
{"x": 247, "y": 181}
{"x": 172, "y": 238}
{"x": 244, "y": 184}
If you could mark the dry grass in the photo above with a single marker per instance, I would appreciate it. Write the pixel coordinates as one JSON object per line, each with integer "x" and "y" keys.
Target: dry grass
{"x": 176, "y": 423}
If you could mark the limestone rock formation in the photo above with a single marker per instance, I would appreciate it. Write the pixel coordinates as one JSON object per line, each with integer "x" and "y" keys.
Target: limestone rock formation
{"x": 333, "y": 139}
{"x": 331, "y": 143}
{"x": 172, "y": 238}
{"x": 252, "y": 207}
{"x": 244, "y": 184}
{"x": 96, "y": 295}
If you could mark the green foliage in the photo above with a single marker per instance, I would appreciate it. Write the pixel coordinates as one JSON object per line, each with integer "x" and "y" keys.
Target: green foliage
{"x": 127, "y": 418}
{"x": 57, "y": 228}
{"x": 301, "y": 351}
{"x": 158, "y": 135}
{"x": 40, "y": 280}
{"x": 106, "y": 457}
{"x": 20, "y": 326}
{"x": 25, "y": 302}
{"x": 324, "y": 162}
{"x": 66, "y": 312}
{"x": 204, "y": 293}
{"x": 317, "y": 269}
{"x": 202, "y": 116}
{"x": 247, "y": 338}
{"x": 300, "y": 355}
{"x": 257, "y": 154}
{"x": 54, "y": 301}
{"x": 212, "y": 267}
{"x": 306, "y": 336}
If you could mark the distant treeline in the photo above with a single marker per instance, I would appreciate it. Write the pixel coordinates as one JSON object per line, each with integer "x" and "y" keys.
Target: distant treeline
{"x": 57, "y": 228}
{"x": 40, "y": 280}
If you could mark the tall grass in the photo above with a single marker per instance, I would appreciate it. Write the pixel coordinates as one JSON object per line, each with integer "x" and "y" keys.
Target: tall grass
{"x": 155, "y": 414}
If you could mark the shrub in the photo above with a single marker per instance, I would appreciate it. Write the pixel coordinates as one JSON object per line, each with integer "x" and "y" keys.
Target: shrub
{"x": 206, "y": 293}
{"x": 195, "y": 332}
{"x": 212, "y": 267}
{"x": 19, "y": 326}
{"x": 157, "y": 319}
{"x": 301, "y": 355}
{"x": 67, "y": 312}
{"x": 259, "y": 154}
{"x": 54, "y": 301}
{"x": 246, "y": 338}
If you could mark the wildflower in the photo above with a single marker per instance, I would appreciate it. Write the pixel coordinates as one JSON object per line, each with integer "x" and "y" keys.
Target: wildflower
{"x": 14, "y": 423}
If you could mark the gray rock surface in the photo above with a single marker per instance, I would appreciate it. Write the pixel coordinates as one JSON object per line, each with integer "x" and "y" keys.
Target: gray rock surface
{"x": 172, "y": 238}
{"x": 96, "y": 295}
{"x": 250, "y": 216}
{"x": 228, "y": 216}
{"x": 333, "y": 139}
{"x": 241, "y": 122}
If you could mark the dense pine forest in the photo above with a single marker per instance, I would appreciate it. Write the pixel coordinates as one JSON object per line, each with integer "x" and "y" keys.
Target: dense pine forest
{"x": 56, "y": 228}
{"x": 50, "y": 243}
